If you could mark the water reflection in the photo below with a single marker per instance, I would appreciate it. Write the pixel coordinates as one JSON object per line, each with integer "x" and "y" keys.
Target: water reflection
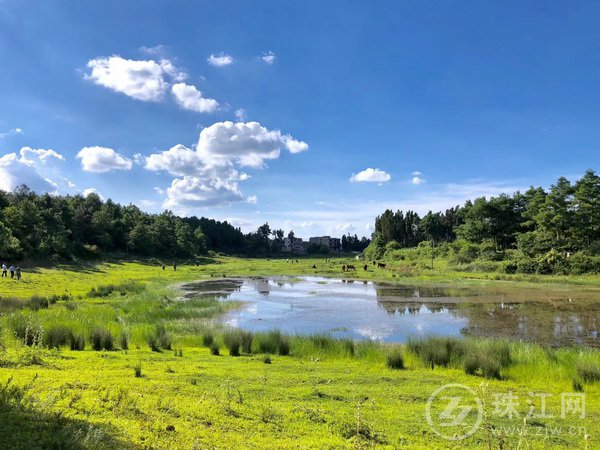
{"x": 393, "y": 313}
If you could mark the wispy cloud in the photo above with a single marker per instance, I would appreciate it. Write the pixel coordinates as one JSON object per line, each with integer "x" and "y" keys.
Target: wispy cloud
{"x": 9, "y": 133}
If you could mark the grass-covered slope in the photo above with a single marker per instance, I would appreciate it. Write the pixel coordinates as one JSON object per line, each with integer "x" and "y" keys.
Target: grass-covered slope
{"x": 155, "y": 381}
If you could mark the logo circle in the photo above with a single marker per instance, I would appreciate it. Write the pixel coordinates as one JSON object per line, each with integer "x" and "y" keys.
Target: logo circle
{"x": 454, "y": 418}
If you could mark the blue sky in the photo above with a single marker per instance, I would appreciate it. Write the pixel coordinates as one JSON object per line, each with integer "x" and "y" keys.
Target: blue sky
{"x": 314, "y": 116}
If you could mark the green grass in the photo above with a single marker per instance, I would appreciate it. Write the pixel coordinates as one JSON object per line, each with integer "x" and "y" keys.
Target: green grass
{"x": 280, "y": 392}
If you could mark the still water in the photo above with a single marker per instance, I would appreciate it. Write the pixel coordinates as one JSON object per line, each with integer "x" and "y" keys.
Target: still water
{"x": 393, "y": 313}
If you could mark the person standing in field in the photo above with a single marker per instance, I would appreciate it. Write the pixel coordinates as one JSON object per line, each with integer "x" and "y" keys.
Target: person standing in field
{"x": 4, "y": 269}
{"x": 11, "y": 269}
{"x": 174, "y": 266}
{"x": 18, "y": 272}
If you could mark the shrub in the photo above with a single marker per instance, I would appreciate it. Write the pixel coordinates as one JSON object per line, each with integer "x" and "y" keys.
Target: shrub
{"x": 214, "y": 349}
{"x": 267, "y": 359}
{"x": 102, "y": 339}
{"x": 395, "y": 360}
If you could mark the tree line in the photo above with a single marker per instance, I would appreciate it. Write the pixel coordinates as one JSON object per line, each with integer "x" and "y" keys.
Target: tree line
{"x": 533, "y": 231}
{"x": 63, "y": 227}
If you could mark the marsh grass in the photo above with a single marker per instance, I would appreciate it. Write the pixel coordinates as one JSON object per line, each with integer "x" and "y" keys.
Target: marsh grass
{"x": 109, "y": 289}
{"x": 273, "y": 342}
{"x": 160, "y": 339}
{"x": 102, "y": 339}
{"x": 486, "y": 358}
{"x": 588, "y": 371}
{"x": 137, "y": 369}
{"x": 395, "y": 359}
{"x": 57, "y": 336}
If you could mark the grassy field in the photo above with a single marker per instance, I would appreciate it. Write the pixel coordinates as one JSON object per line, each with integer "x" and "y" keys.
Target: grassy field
{"x": 281, "y": 392}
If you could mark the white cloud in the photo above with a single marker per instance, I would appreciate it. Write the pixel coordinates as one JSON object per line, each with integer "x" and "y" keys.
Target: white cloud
{"x": 416, "y": 173}
{"x": 188, "y": 97}
{"x": 89, "y": 191}
{"x": 15, "y": 170}
{"x": 43, "y": 155}
{"x": 160, "y": 191}
{"x": 145, "y": 80}
{"x": 252, "y": 199}
{"x": 240, "y": 114}
{"x": 210, "y": 174}
{"x": 247, "y": 144}
{"x": 269, "y": 57}
{"x": 370, "y": 176}
{"x": 12, "y": 132}
{"x": 417, "y": 180}
{"x": 102, "y": 159}
{"x": 190, "y": 191}
{"x": 220, "y": 60}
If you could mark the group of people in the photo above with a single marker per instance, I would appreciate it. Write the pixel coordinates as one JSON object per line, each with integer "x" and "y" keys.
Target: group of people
{"x": 14, "y": 271}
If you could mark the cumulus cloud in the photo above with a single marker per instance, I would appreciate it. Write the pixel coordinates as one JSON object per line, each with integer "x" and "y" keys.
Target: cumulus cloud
{"x": 145, "y": 80}
{"x": 188, "y": 97}
{"x": 245, "y": 143}
{"x": 25, "y": 169}
{"x": 371, "y": 176}
{"x": 417, "y": 178}
{"x": 10, "y": 133}
{"x": 211, "y": 171}
{"x": 89, "y": 191}
{"x": 198, "y": 192}
{"x": 252, "y": 199}
{"x": 29, "y": 154}
{"x": 269, "y": 57}
{"x": 102, "y": 159}
{"x": 220, "y": 60}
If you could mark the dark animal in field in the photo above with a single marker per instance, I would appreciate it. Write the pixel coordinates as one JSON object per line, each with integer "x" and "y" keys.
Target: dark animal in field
{"x": 344, "y": 268}
{"x": 365, "y": 267}
{"x": 381, "y": 265}
{"x": 350, "y": 267}
{"x": 314, "y": 266}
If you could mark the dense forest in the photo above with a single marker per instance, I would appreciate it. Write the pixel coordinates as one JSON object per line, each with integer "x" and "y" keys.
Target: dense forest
{"x": 538, "y": 231}
{"x": 64, "y": 227}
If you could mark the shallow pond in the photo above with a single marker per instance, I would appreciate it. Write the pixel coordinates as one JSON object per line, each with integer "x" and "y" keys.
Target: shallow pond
{"x": 393, "y": 313}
